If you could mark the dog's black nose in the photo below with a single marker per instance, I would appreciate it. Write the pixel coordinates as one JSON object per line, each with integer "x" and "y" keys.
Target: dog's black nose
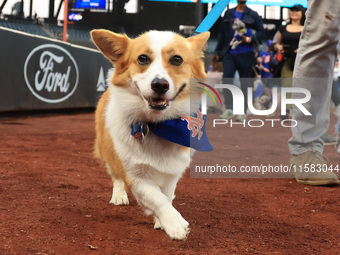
{"x": 160, "y": 86}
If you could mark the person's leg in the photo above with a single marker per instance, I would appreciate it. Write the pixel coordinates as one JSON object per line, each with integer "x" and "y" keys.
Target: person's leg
{"x": 314, "y": 71}
{"x": 229, "y": 70}
{"x": 244, "y": 64}
{"x": 327, "y": 138}
{"x": 286, "y": 82}
{"x": 336, "y": 97}
{"x": 335, "y": 93}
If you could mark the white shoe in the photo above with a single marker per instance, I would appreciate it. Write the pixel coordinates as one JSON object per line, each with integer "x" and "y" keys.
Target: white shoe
{"x": 241, "y": 118}
{"x": 227, "y": 114}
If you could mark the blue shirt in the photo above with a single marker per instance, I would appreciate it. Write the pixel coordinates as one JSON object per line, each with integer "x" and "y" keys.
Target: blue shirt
{"x": 265, "y": 59}
{"x": 243, "y": 47}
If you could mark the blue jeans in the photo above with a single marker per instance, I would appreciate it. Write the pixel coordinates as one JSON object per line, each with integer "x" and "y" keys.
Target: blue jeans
{"x": 243, "y": 63}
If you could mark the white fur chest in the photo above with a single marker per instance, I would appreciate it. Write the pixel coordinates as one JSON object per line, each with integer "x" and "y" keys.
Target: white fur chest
{"x": 154, "y": 155}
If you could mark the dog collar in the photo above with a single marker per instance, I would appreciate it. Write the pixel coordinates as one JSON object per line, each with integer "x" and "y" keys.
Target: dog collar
{"x": 139, "y": 131}
{"x": 186, "y": 131}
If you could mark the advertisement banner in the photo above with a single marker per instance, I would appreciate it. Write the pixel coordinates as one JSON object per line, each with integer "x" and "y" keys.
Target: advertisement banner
{"x": 39, "y": 73}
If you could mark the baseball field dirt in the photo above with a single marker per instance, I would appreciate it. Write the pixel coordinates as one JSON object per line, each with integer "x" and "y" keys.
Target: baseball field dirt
{"x": 54, "y": 197}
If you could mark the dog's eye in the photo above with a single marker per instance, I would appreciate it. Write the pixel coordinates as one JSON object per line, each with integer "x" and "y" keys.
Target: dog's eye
{"x": 143, "y": 60}
{"x": 176, "y": 60}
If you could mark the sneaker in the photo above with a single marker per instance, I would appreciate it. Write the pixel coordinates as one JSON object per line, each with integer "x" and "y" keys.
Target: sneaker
{"x": 228, "y": 114}
{"x": 241, "y": 118}
{"x": 329, "y": 139}
{"x": 337, "y": 111}
{"x": 310, "y": 168}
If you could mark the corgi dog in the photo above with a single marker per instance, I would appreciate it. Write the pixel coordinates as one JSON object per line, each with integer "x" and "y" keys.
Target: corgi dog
{"x": 150, "y": 84}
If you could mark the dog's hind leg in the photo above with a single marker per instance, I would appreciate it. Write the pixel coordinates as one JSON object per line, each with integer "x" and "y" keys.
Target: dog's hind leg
{"x": 119, "y": 196}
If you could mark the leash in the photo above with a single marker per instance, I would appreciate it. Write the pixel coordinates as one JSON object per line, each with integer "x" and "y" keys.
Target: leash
{"x": 212, "y": 16}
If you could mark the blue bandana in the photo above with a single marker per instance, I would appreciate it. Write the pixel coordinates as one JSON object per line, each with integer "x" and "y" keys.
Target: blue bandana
{"x": 186, "y": 131}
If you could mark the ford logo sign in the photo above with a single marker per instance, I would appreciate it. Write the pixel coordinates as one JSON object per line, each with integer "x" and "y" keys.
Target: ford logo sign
{"x": 51, "y": 73}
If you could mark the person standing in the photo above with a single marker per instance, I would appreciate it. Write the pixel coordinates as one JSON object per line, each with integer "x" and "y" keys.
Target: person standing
{"x": 242, "y": 57}
{"x": 288, "y": 38}
{"x": 314, "y": 71}
{"x": 287, "y": 42}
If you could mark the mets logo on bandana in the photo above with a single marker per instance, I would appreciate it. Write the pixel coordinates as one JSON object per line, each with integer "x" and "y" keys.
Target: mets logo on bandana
{"x": 195, "y": 125}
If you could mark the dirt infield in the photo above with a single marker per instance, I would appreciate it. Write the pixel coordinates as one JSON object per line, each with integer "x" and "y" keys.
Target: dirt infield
{"x": 54, "y": 198}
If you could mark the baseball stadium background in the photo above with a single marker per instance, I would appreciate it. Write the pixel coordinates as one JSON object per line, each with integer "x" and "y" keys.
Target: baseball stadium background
{"x": 54, "y": 195}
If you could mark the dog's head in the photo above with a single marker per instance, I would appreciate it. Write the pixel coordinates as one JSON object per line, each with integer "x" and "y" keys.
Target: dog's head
{"x": 238, "y": 25}
{"x": 156, "y": 67}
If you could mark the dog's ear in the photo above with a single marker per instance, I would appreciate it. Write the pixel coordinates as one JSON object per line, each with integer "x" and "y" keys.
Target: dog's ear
{"x": 112, "y": 45}
{"x": 198, "y": 43}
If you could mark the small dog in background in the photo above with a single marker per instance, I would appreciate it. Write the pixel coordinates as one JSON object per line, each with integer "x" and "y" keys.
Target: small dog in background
{"x": 240, "y": 32}
{"x": 150, "y": 84}
{"x": 263, "y": 97}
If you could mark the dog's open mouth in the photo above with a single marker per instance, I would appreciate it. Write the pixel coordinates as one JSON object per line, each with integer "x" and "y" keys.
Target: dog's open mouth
{"x": 158, "y": 103}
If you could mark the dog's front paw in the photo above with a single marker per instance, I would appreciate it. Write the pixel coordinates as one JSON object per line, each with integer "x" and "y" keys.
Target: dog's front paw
{"x": 119, "y": 196}
{"x": 177, "y": 230}
{"x": 119, "y": 199}
{"x": 175, "y": 225}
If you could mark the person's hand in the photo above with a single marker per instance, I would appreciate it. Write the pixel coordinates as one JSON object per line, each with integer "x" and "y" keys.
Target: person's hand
{"x": 279, "y": 47}
{"x": 295, "y": 51}
{"x": 266, "y": 70}
{"x": 245, "y": 39}
{"x": 215, "y": 58}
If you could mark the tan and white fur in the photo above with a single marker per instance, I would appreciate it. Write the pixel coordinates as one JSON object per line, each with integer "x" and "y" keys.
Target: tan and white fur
{"x": 150, "y": 83}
